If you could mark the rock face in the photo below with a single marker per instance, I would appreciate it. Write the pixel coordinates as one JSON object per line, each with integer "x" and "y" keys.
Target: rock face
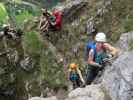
{"x": 90, "y": 26}
{"x": 27, "y": 64}
{"x": 70, "y": 7}
{"x": 92, "y": 92}
{"x": 124, "y": 40}
{"x": 8, "y": 61}
{"x": 118, "y": 78}
{"x": 39, "y": 98}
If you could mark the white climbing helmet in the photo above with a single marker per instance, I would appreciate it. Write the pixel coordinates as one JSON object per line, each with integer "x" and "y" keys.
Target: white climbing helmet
{"x": 100, "y": 37}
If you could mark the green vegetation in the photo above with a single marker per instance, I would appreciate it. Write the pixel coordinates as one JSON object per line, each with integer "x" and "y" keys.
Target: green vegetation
{"x": 130, "y": 43}
{"x": 21, "y": 13}
{"x": 51, "y": 72}
{"x": 125, "y": 26}
{"x": 24, "y": 16}
{"x": 32, "y": 44}
{"x": 128, "y": 24}
{"x": 16, "y": 1}
{"x": 3, "y": 14}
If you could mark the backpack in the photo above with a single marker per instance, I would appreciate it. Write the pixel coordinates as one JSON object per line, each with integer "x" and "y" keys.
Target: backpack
{"x": 74, "y": 76}
{"x": 90, "y": 45}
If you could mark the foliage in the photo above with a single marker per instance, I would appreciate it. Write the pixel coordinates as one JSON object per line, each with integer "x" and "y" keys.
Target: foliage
{"x": 32, "y": 44}
{"x": 21, "y": 12}
{"x": 130, "y": 43}
{"x": 3, "y": 14}
{"x": 128, "y": 24}
{"x": 51, "y": 72}
{"x": 16, "y": 1}
{"x": 23, "y": 17}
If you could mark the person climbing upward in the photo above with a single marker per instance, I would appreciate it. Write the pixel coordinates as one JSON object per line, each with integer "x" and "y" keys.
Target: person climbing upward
{"x": 75, "y": 75}
{"x": 57, "y": 15}
{"x": 49, "y": 21}
{"x": 44, "y": 23}
{"x": 96, "y": 54}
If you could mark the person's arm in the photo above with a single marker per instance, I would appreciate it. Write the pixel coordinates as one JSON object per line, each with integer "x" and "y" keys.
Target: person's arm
{"x": 44, "y": 26}
{"x": 80, "y": 75}
{"x": 111, "y": 49}
{"x": 49, "y": 13}
{"x": 90, "y": 59}
{"x": 40, "y": 23}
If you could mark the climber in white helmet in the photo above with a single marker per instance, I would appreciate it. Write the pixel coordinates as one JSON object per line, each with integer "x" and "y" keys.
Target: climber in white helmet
{"x": 96, "y": 54}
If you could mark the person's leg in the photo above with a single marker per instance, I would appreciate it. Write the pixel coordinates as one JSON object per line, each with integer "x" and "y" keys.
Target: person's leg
{"x": 90, "y": 75}
{"x": 98, "y": 74}
{"x": 96, "y": 71}
{"x": 46, "y": 34}
{"x": 74, "y": 84}
{"x": 78, "y": 82}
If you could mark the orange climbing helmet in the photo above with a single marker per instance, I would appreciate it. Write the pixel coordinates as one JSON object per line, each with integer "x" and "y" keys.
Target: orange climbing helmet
{"x": 73, "y": 66}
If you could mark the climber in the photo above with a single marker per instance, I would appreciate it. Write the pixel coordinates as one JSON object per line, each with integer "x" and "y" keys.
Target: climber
{"x": 50, "y": 21}
{"x": 96, "y": 54}
{"x": 75, "y": 75}
{"x": 44, "y": 22}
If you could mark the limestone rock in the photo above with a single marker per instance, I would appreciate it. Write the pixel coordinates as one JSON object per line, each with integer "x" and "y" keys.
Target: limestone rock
{"x": 124, "y": 40}
{"x": 39, "y": 98}
{"x": 91, "y": 92}
{"x": 70, "y": 7}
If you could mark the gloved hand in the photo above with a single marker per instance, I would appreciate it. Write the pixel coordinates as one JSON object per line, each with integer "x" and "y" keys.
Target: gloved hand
{"x": 97, "y": 65}
{"x": 106, "y": 60}
{"x": 109, "y": 55}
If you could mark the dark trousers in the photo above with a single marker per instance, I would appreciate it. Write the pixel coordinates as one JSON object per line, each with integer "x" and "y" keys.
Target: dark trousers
{"x": 91, "y": 73}
{"x": 76, "y": 84}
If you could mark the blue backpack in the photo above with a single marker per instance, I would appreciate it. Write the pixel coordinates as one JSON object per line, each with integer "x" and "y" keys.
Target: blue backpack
{"x": 90, "y": 45}
{"x": 74, "y": 76}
